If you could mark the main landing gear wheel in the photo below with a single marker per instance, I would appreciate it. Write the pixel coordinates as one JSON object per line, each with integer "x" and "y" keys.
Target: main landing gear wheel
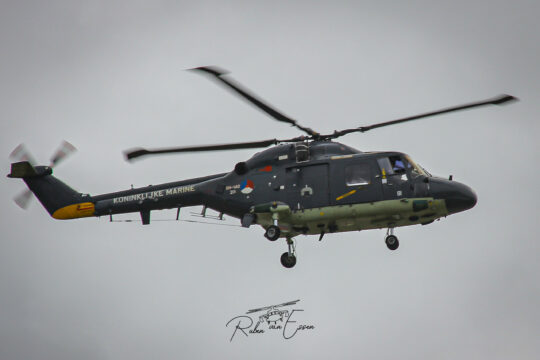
{"x": 392, "y": 242}
{"x": 288, "y": 260}
{"x": 272, "y": 233}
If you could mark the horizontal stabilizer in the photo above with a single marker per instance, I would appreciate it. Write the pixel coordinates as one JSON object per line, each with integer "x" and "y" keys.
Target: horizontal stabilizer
{"x": 22, "y": 169}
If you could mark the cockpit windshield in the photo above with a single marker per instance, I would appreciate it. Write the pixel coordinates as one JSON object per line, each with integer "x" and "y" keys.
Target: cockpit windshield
{"x": 415, "y": 168}
{"x": 400, "y": 165}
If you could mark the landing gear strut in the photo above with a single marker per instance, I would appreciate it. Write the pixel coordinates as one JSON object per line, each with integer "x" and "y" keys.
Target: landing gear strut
{"x": 391, "y": 240}
{"x": 288, "y": 259}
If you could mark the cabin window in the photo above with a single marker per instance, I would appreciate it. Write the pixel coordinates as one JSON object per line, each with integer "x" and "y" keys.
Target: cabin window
{"x": 358, "y": 174}
{"x": 393, "y": 165}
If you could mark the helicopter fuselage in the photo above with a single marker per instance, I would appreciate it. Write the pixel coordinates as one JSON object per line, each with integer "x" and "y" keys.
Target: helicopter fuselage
{"x": 304, "y": 188}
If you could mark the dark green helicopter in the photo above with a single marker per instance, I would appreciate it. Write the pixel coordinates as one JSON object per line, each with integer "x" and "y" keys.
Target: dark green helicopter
{"x": 307, "y": 185}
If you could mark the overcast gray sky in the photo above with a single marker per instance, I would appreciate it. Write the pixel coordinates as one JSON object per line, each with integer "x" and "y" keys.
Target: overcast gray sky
{"x": 108, "y": 76}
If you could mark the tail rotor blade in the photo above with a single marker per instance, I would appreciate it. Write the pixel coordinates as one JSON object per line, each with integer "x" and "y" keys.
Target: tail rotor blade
{"x": 63, "y": 151}
{"x": 21, "y": 153}
{"x": 23, "y": 199}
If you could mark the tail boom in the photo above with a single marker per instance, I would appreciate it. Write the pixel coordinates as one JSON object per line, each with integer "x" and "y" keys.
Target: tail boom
{"x": 63, "y": 203}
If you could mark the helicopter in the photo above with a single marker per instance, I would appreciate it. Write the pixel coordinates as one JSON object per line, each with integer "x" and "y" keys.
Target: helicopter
{"x": 306, "y": 185}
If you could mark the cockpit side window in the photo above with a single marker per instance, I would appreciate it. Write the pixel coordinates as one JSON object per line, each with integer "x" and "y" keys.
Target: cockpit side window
{"x": 393, "y": 165}
{"x": 398, "y": 164}
{"x": 358, "y": 174}
{"x": 386, "y": 167}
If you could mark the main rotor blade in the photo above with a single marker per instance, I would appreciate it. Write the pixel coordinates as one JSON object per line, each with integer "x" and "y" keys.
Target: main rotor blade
{"x": 249, "y": 96}
{"x": 138, "y": 152}
{"x": 499, "y": 100}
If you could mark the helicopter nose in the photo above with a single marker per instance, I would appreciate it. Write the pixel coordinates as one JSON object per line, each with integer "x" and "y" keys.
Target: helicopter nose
{"x": 457, "y": 196}
{"x": 464, "y": 198}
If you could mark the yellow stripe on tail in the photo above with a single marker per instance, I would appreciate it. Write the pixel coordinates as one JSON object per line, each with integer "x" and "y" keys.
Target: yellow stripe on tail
{"x": 74, "y": 211}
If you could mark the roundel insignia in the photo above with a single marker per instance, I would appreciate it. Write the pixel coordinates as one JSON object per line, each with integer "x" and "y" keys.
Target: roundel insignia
{"x": 246, "y": 186}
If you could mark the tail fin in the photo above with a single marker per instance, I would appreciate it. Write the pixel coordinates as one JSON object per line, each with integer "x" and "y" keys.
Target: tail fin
{"x": 60, "y": 200}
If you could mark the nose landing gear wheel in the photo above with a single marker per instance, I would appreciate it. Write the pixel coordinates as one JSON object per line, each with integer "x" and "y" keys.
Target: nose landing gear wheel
{"x": 287, "y": 260}
{"x": 392, "y": 242}
{"x": 272, "y": 233}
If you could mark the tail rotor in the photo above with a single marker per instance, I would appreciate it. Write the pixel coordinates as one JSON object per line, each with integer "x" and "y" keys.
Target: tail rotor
{"x": 21, "y": 153}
